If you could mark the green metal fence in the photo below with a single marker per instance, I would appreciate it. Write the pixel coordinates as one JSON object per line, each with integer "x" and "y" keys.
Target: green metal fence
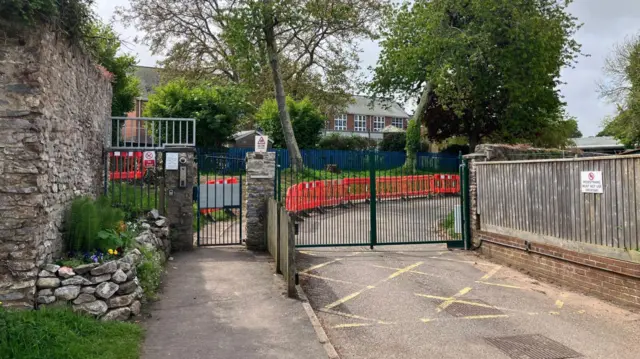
{"x": 378, "y": 204}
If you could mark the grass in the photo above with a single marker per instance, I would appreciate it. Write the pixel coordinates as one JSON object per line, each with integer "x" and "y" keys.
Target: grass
{"x": 133, "y": 199}
{"x": 449, "y": 225}
{"x": 60, "y": 333}
{"x": 149, "y": 272}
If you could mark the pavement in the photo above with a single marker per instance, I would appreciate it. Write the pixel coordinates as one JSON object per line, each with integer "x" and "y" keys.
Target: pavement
{"x": 225, "y": 302}
{"x": 423, "y": 301}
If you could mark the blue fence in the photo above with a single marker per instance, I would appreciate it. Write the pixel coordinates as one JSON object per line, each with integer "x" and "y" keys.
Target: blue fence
{"x": 344, "y": 160}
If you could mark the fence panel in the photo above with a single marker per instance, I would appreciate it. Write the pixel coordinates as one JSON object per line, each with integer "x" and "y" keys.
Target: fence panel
{"x": 545, "y": 197}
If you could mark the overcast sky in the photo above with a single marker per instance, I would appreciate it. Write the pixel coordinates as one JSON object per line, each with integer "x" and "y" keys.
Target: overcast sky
{"x": 605, "y": 23}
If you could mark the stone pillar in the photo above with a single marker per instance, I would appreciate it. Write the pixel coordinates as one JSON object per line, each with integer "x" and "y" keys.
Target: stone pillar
{"x": 180, "y": 202}
{"x": 261, "y": 171}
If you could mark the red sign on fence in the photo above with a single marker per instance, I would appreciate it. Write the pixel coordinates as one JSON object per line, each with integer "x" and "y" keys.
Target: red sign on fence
{"x": 149, "y": 159}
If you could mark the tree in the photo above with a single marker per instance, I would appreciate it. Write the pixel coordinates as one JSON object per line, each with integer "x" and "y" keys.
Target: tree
{"x": 306, "y": 120}
{"x": 396, "y": 141}
{"x": 413, "y": 145}
{"x": 622, "y": 87}
{"x": 217, "y": 110}
{"x": 336, "y": 141}
{"x": 483, "y": 68}
{"x": 104, "y": 45}
{"x": 308, "y": 41}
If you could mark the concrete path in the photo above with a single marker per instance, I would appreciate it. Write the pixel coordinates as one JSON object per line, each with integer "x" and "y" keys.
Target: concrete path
{"x": 226, "y": 303}
{"x": 422, "y": 301}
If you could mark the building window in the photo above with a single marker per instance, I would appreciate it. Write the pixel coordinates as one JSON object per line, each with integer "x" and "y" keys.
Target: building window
{"x": 397, "y": 122}
{"x": 378, "y": 123}
{"x": 360, "y": 123}
{"x": 340, "y": 123}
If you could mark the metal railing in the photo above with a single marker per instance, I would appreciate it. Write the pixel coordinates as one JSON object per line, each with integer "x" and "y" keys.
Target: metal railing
{"x": 134, "y": 133}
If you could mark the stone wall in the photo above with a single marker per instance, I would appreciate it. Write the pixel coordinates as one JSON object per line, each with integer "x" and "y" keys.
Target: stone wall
{"x": 54, "y": 106}
{"x": 261, "y": 169}
{"x": 109, "y": 290}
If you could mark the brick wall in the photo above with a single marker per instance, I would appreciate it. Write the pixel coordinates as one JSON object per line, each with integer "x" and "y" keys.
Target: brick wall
{"x": 606, "y": 278}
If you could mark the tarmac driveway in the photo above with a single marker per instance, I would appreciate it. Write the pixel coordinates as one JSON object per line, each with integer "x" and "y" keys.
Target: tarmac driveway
{"x": 423, "y": 301}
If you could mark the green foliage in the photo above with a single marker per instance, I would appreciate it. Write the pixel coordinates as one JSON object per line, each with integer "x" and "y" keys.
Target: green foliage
{"x": 70, "y": 17}
{"x": 86, "y": 219}
{"x": 412, "y": 145}
{"x": 60, "y": 333}
{"x": 105, "y": 46}
{"x": 623, "y": 88}
{"x": 336, "y": 141}
{"x": 448, "y": 224}
{"x": 306, "y": 120}
{"x": 455, "y": 149}
{"x": 133, "y": 200}
{"x": 149, "y": 271}
{"x": 493, "y": 66}
{"x": 393, "y": 142}
{"x": 217, "y": 110}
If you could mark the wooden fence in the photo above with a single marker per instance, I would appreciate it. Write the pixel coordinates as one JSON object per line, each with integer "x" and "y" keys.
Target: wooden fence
{"x": 545, "y": 198}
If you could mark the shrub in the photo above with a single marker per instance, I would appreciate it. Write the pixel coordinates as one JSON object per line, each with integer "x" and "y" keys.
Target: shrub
{"x": 88, "y": 225}
{"x": 150, "y": 271}
{"x": 413, "y": 145}
{"x": 336, "y": 141}
{"x": 393, "y": 142}
{"x": 307, "y": 122}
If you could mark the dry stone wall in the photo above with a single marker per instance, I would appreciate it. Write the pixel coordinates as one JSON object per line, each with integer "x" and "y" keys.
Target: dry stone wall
{"x": 54, "y": 106}
{"x": 109, "y": 290}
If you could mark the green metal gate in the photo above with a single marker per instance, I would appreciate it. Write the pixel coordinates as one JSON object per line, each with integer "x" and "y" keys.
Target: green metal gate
{"x": 369, "y": 198}
{"x": 218, "y": 198}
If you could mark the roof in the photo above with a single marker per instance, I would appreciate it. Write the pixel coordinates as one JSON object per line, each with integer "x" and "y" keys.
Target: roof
{"x": 597, "y": 142}
{"x": 242, "y": 134}
{"x": 149, "y": 79}
{"x": 381, "y": 107}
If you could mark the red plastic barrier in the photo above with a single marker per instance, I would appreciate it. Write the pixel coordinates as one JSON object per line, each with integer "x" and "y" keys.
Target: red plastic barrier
{"x": 128, "y": 166}
{"x": 314, "y": 194}
{"x": 232, "y": 180}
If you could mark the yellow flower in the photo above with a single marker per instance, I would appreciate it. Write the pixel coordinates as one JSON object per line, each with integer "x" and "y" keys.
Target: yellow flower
{"x": 115, "y": 253}
{"x": 110, "y": 251}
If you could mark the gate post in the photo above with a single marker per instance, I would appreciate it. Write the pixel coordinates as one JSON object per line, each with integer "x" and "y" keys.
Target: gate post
{"x": 372, "y": 204}
{"x": 179, "y": 187}
{"x": 260, "y": 179}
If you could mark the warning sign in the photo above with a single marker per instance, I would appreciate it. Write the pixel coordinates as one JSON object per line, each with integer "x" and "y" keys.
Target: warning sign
{"x": 261, "y": 143}
{"x": 149, "y": 159}
{"x": 591, "y": 181}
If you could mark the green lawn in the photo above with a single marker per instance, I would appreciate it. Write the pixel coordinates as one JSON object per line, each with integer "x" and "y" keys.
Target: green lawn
{"x": 448, "y": 224}
{"x": 62, "y": 334}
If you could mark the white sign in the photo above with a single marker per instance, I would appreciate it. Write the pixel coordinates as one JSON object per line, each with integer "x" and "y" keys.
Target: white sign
{"x": 149, "y": 159}
{"x": 591, "y": 181}
{"x": 171, "y": 162}
{"x": 262, "y": 143}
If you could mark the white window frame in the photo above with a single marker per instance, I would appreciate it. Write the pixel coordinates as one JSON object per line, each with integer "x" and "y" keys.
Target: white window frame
{"x": 395, "y": 120}
{"x": 378, "y": 123}
{"x": 340, "y": 123}
{"x": 360, "y": 123}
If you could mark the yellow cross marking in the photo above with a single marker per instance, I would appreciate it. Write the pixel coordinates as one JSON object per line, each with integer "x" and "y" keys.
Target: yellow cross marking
{"x": 326, "y": 278}
{"x": 450, "y": 301}
{"x": 411, "y": 271}
{"x": 352, "y": 325}
{"x": 499, "y": 285}
{"x": 353, "y": 295}
{"x": 491, "y": 273}
{"x": 352, "y": 316}
{"x": 486, "y": 316}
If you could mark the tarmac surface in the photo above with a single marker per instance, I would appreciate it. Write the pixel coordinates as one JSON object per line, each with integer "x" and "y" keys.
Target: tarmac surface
{"x": 225, "y": 302}
{"x": 423, "y": 301}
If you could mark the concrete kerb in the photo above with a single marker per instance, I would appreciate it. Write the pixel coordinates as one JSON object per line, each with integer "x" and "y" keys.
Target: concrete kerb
{"x": 315, "y": 322}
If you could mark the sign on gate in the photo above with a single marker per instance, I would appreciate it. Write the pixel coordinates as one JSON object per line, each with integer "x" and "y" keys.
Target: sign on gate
{"x": 591, "y": 181}
{"x": 149, "y": 159}
{"x": 261, "y": 143}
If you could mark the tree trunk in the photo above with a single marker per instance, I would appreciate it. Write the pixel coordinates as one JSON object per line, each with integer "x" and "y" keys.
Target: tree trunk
{"x": 295, "y": 157}
{"x": 473, "y": 142}
{"x": 419, "y": 117}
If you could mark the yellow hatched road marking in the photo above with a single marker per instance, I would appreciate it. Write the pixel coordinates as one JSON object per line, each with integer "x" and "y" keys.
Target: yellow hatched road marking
{"x": 491, "y": 273}
{"x": 351, "y": 325}
{"x": 499, "y": 285}
{"x": 327, "y": 278}
{"x": 450, "y": 301}
{"x": 486, "y": 316}
{"x": 352, "y": 316}
{"x": 411, "y": 271}
{"x": 559, "y": 304}
{"x": 353, "y": 295}
{"x": 317, "y": 266}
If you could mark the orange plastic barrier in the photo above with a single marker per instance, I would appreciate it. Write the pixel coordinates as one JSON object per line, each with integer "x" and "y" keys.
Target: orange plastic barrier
{"x": 232, "y": 180}
{"x": 309, "y": 195}
{"x": 128, "y": 166}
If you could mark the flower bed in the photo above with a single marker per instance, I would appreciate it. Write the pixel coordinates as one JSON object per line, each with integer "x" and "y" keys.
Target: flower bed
{"x": 105, "y": 284}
